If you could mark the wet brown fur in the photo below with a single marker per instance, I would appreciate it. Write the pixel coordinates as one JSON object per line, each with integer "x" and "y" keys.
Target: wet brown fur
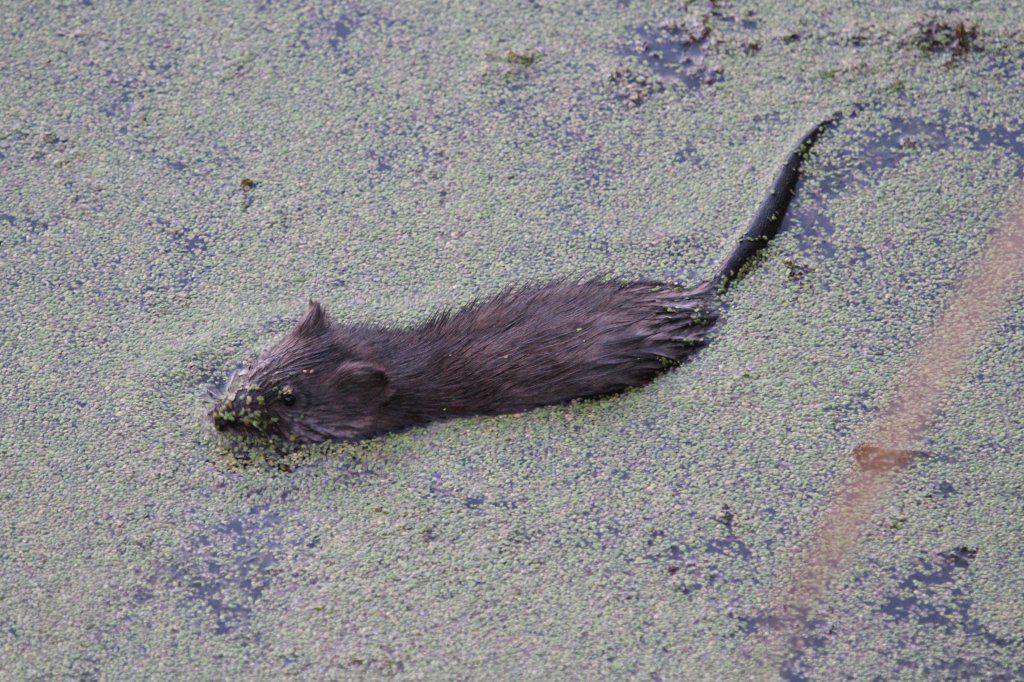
{"x": 521, "y": 349}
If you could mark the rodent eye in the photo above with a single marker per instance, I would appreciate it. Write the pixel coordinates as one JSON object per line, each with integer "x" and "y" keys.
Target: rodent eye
{"x": 288, "y": 399}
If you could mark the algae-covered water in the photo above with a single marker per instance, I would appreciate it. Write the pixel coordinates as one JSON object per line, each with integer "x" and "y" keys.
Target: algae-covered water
{"x": 177, "y": 179}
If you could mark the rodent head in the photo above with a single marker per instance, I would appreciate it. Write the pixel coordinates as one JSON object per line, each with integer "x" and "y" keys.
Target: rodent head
{"x": 317, "y": 384}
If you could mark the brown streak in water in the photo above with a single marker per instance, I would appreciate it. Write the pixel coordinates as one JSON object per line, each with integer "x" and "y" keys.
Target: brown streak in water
{"x": 928, "y": 378}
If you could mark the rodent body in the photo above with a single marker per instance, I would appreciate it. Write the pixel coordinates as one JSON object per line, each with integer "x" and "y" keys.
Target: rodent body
{"x": 524, "y": 348}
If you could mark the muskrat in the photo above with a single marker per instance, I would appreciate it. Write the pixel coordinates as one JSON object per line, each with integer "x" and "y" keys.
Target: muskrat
{"x": 526, "y": 347}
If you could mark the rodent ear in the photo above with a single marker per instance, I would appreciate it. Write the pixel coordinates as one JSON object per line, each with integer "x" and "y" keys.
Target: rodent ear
{"x": 365, "y": 379}
{"x": 314, "y": 322}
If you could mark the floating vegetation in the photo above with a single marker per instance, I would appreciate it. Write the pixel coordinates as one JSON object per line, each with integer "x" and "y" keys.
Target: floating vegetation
{"x": 634, "y": 86}
{"x": 952, "y": 36}
{"x": 673, "y": 50}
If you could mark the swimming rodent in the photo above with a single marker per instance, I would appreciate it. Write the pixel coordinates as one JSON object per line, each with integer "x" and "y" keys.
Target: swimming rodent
{"x": 527, "y": 347}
